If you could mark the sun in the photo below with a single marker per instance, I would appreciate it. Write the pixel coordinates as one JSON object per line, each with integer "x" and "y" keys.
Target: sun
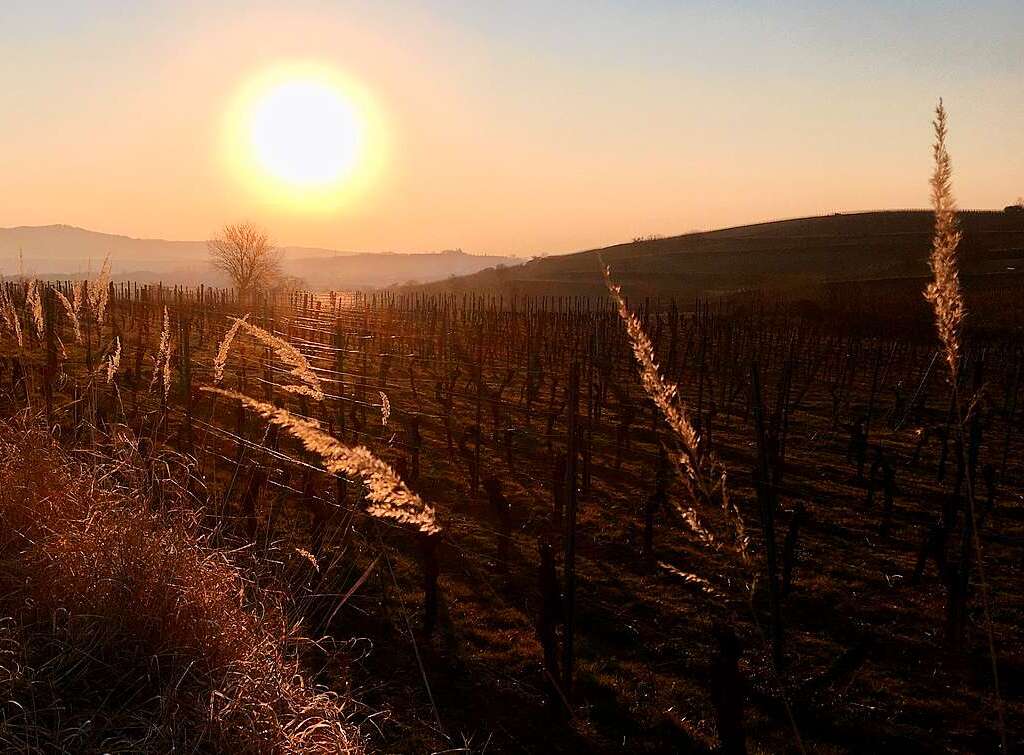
{"x": 304, "y": 135}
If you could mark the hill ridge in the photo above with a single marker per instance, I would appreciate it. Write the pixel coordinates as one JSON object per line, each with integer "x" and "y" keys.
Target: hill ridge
{"x": 810, "y": 250}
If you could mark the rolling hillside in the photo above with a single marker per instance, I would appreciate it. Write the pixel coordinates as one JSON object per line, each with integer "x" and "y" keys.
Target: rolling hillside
{"x": 783, "y": 254}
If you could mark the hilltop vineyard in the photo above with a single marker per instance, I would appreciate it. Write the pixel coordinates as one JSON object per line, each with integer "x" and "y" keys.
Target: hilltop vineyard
{"x": 517, "y": 541}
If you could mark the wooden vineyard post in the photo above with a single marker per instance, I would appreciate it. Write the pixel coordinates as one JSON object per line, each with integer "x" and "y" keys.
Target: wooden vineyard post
{"x": 789, "y": 547}
{"x": 503, "y": 513}
{"x": 861, "y": 458}
{"x": 339, "y": 368}
{"x": 1010, "y": 411}
{"x": 766, "y": 498}
{"x": 50, "y": 372}
{"x": 570, "y": 533}
{"x": 431, "y": 570}
{"x": 185, "y": 326}
{"x": 479, "y": 404}
{"x": 727, "y": 692}
{"x": 589, "y": 429}
{"x": 550, "y": 617}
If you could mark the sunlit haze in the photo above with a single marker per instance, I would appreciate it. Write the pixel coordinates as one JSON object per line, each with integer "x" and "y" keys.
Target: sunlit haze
{"x": 516, "y": 129}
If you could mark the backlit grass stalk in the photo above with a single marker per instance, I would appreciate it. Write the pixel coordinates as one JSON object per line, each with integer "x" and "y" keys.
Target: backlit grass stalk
{"x": 10, "y": 315}
{"x": 78, "y": 297}
{"x": 945, "y": 295}
{"x": 389, "y": 497}
{"x": 99, "y": 291}
{"x": 695, "y": 470}
{"x": 224, "y": 349}
{"x": 944, "y": 292}
{"x": 113, "y": 360}
{"x": 72, "y": 312}
{"x": 34, "y": 303}
{"x": 162, "y": 365}
{"x": 285, "y": 352}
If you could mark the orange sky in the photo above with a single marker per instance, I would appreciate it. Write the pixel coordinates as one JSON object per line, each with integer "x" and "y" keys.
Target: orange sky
{"x": 523, "y": 130}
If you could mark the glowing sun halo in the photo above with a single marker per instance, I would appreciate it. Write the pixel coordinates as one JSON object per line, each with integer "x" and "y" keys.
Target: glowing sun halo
{"x": 305, "y": 136}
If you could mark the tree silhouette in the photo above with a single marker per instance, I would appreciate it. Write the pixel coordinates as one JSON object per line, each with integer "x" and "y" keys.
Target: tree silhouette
{"x": 244, "y": 252}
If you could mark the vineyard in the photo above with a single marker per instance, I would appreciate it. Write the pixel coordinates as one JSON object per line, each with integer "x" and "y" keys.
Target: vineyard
{"x": 554, "y": 593}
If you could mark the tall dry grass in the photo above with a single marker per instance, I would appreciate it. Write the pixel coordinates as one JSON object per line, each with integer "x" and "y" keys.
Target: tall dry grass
{"x": 944, "y": 293}
{"x": 705, "y": 478}
{"x": 162, "y": 360}
{"x": 102, "y": 587}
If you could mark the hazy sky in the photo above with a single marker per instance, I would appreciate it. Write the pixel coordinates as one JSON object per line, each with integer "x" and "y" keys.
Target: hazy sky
{"x": 518, "y": 127}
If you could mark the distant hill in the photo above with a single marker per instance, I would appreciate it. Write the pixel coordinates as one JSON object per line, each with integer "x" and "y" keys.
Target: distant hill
{"x": 372, "y": 270}
{"x": 788, "y": 253}
{"x": 58, "y": 250}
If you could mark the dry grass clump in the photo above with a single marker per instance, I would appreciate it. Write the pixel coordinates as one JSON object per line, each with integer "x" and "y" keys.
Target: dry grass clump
{"x": 110, "y": 588}
{"x": 388, "y": 495}
{"x": 944, "y": 292}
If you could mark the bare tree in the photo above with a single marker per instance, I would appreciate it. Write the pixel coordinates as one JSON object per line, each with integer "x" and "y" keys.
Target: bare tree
{"x": 246, "y": 254}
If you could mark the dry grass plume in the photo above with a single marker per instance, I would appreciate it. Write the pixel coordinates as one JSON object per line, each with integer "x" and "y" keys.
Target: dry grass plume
{"x": 389, "y": 497}
{"x": 944, "y": 292}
